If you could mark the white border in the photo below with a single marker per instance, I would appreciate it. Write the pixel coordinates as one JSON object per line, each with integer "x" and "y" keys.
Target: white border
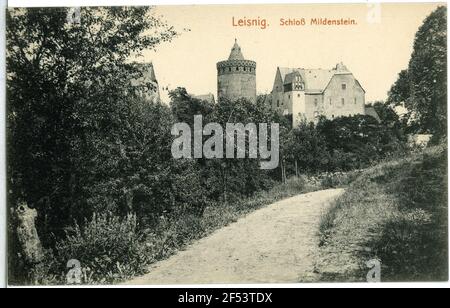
{"x": 71, "y": 3}
{"x": 66, "y": 3}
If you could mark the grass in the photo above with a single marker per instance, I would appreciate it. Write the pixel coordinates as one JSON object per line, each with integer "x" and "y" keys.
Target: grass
{"x": 112, "y": 250}
{"x": 395, "y": 212}
{"x": 179, "y": 230}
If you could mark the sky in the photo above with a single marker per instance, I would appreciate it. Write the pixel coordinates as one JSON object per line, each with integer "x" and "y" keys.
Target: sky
{"x": 375, "y": 50}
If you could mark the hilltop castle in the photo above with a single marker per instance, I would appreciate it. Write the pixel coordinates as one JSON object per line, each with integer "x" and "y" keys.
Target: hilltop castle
{"x": 308, "y": 94}
{"x": 236, "y": 77}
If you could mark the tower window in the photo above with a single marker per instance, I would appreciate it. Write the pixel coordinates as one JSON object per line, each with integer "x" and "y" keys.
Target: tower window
{"x": 344, "y": 86}
{"x": 299, "y": 95}
{"x": 245, "y": 69}
{"x": 278, "y": 103}
{"x": 316, "y": 102}
{"x": 330, "y": 102}
{"x": 343, "y": 102}
{"x": 229, "y": 69}
{"x": 355, "y": 101}
{"x": 237, "y": 68}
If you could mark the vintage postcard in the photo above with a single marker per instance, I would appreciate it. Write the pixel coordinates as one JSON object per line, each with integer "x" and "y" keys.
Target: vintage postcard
{"x": 227, "y": 144}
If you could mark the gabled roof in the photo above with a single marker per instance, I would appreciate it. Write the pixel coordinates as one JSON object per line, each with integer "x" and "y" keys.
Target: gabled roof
{"x": 206, "y": 97}
{"x": 284, "y": 71}
{"x": 370, "y": 111}
{"x": 316, "y": 80}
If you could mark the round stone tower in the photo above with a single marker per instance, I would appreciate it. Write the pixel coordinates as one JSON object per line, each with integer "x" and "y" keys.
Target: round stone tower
{"x": 236, "y": 77}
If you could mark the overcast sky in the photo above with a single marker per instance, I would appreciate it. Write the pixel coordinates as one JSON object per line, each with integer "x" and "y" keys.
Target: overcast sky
{"x": 375, "y": 50}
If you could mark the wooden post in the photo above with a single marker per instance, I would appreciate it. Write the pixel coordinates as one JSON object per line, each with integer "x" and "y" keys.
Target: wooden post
{"x": 283, "y": 171}
{"x": 224, "y": 177}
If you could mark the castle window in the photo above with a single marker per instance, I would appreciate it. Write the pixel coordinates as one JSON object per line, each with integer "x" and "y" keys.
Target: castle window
{"x": 344, "y": 86}
{"x": 330, "y": 102}
{"x": 278, "y": 103}
{"x": 229, "y": 69}
{"x": 237, "y": 68}
{"x": 245, "y": 69}
{"x": 299, "y": 95}
{"x": 355, "y": 101}
{"x": 343, "y": 102}
{"x": 316, "y": 102}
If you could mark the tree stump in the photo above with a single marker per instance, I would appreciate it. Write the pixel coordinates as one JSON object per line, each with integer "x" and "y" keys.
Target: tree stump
{"x": 29, "y": 242}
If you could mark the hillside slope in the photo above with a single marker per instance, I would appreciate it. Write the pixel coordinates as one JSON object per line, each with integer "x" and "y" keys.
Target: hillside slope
{"x": 395, "y": 212}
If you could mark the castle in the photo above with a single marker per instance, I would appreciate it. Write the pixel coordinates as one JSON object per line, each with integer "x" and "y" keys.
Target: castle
{"x": 236, "y": 77}
{"x": 308, "y": 94}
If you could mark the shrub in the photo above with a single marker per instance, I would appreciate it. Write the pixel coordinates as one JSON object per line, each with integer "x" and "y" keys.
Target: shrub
{"x": 108, "y": 247}
{"x": 395, "y": 212}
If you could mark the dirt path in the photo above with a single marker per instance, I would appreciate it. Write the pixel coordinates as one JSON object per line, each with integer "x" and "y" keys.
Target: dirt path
{"x": 273, "y": 245}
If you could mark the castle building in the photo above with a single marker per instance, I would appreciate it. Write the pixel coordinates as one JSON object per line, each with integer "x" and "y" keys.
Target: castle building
{"x": 146, "y": 85}
{"x": 308, "y": 94}
{"x": 236, "y": 77}
{"x": 209, "y": 98}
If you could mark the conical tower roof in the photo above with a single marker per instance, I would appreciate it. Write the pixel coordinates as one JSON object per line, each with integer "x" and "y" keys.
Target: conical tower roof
{"x": 236, "y": 53}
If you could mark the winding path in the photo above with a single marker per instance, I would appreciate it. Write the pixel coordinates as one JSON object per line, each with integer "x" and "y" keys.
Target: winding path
{"x": 275, "y": 244}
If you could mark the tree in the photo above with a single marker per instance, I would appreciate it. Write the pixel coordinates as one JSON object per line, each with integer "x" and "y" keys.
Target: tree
{"x": 308, "y": 149}
{"x": 399, "y": 92}
{"x": 184, "y": 107}
{"x": 68, "y": 90}
{"x": 355, "y": 142}
{"x": 390, "y": 119}
{"x": 423, "y": 87}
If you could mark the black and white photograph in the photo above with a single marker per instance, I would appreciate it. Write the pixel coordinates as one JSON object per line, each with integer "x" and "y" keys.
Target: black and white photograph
{"x": 226, "y": 145}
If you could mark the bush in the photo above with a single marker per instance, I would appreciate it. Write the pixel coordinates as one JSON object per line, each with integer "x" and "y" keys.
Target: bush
{"x": 395, "y": 212}
{"x": 108, "y": 247}
{"x": 338, "y": 179}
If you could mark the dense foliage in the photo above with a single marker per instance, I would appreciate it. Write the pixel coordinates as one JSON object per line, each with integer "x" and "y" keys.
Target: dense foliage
{"x": 395, "y": 212}
{"x": 94, "y": 158}
{"x": 74, "y": 124}
{"x": 422, "y": 88}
